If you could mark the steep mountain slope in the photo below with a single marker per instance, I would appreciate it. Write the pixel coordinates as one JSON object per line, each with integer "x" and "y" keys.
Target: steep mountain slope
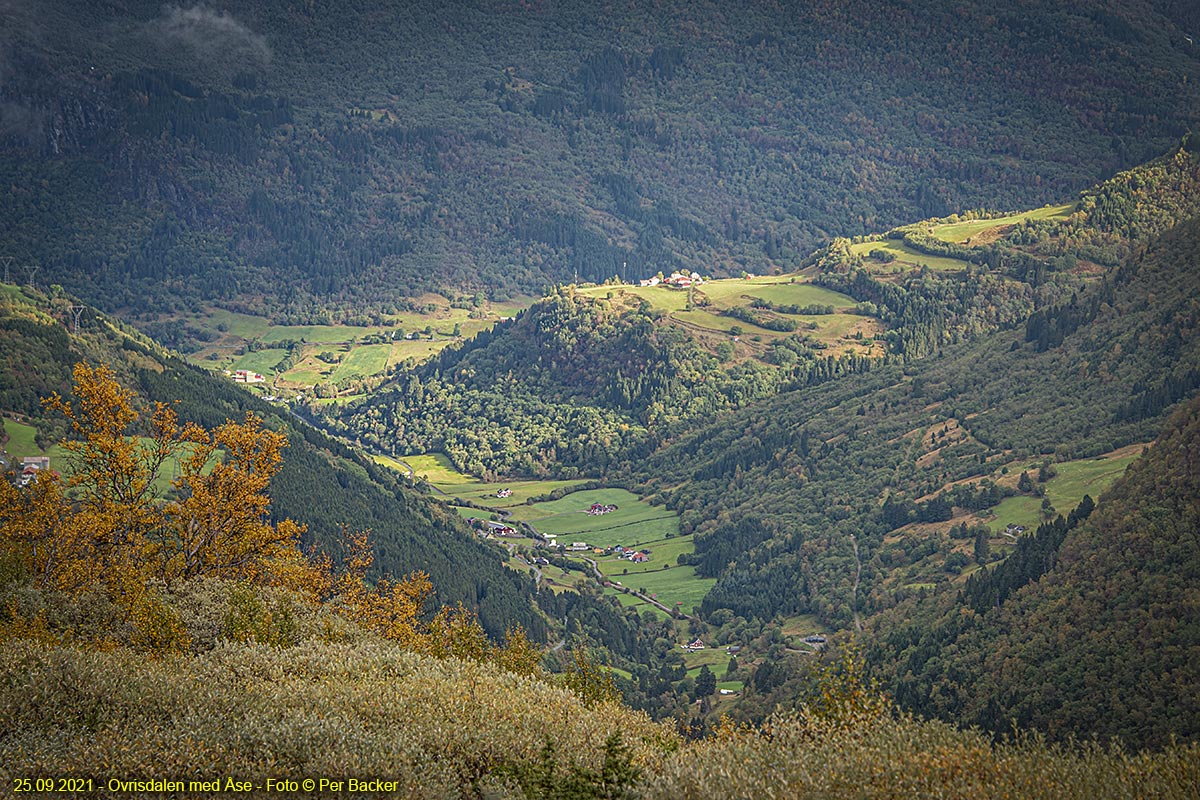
{"x": 322, "y": 483}
{"x": 359, "y": 153}
{"x": 1107, "y": 641}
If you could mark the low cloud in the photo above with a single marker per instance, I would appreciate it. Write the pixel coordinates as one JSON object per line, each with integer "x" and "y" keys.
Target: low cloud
{"x": 22, "y": 122}
{"x": 212, "y": 35}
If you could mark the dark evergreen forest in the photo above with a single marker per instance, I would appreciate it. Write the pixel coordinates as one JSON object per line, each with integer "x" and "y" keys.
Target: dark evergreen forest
{"x": 324, "y": 160}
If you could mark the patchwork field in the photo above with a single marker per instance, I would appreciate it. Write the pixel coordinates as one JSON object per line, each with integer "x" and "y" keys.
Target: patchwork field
{"x": 633, "y": 522}
{"x": 365, "y": 351}
{"x": 672, "y": 585}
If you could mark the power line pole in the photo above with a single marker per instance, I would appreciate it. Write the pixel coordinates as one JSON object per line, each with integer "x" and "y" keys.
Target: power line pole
{"x": 7, "y": 261}
{"x": 78, "y": 312}
{"x": 31, "y": 270}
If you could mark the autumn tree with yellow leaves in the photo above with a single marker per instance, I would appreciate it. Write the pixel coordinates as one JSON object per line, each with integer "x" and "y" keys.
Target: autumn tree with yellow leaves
{"x": 105, "y": 526}
{"x": 112, "y": 527}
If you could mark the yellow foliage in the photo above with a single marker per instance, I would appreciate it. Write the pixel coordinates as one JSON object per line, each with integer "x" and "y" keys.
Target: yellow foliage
{"x": 218, "y": 526}
{"x": 588, "y": 679}
{"x": 20, "y": 626}
{"x": 390, "y": 608}
{"x": 33, "y": 527}
{"x": 519, "y": 654}
{"x": 845, "y": 694}
{"x": 456, "y": 633}
{"x": 156, "y": 626}
{"x": 104, "y": 528}
{"x": 393, "y": 609}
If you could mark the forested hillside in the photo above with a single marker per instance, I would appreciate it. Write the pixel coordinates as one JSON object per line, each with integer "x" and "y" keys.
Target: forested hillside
{"x": 325, "y": 160}
{"x": 1101, "y": 638}
{"x": 321, "y": 483}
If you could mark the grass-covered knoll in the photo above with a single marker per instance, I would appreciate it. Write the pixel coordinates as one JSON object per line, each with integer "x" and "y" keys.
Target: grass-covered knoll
{"x": 522, "y": 490}
{"x": 578, "y": 384}
{"x": 963, "y": 232}
{"x": 785, "y": 290}
{"x": 676, "y": 587}
{"x": 839, "y": 333}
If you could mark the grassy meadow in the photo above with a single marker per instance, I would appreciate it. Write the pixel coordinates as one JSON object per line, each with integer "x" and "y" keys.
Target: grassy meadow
{"x": 1074, "y": 479}
{"x": 841, "y": 332}
{"x": 906, "y": 258}
{"x": 633, "y": 522}
{"x": 437, "y": 470}
{"x": 962, "y": 232}
{"x": 261, "y": 361}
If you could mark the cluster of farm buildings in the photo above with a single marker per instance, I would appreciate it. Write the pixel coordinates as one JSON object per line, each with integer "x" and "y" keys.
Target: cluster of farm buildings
{"x": 245, "y": 376}
{"x": 679, "y": 280}
{"x": 25, "y": 473}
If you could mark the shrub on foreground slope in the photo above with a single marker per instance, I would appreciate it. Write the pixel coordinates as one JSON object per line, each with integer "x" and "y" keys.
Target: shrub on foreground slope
{"x": 441, "y": 728}
{"x": 871, "y": 756}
